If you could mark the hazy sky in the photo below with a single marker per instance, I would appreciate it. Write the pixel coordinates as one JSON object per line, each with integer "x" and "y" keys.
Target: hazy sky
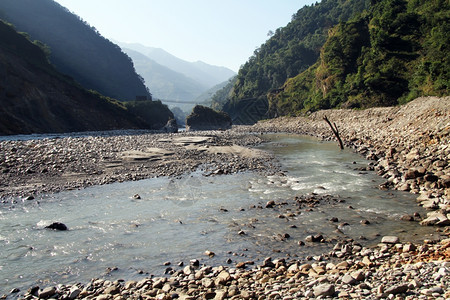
{"x": 218, "y": 32}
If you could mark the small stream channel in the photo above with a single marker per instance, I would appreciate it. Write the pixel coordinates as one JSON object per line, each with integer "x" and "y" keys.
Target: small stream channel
{"x": 114, "y": 235}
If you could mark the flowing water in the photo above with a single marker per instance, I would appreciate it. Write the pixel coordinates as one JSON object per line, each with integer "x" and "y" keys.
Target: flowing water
{"x": 113, "y": 235}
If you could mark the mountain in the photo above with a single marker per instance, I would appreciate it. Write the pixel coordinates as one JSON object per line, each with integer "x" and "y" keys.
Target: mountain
{"x": 393, "y": 53}
{"x": 353, "y": 53}
{"x": 77, "y": 49}
{"x": 208, "y": 97}
{"x": 36, "y": 98}
{"x": 205, "y": 74}
{"x": 164, "y": 82}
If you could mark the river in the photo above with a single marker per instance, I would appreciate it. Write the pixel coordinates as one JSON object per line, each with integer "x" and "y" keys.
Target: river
{"x": 112, "y": 234}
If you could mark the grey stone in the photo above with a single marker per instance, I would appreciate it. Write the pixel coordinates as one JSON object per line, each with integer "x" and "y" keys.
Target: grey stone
{"x": 390, "y": 239}
{"x": 324, "y": 290}
{"x": 348, "y": 279}
{"x": 396, "y": 289}
{"x": 47, "y": 292}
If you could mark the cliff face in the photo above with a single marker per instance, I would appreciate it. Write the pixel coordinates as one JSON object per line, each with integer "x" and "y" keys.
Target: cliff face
{"x": 35, "y": 98}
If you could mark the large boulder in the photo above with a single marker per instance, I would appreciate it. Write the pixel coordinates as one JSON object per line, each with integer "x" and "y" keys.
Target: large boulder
{"x": 57, "y": 226}
{"x": 171, "y": 126}
{"x": 205, "y": 118}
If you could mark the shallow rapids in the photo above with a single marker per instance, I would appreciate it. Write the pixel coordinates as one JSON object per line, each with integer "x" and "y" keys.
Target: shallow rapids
{"x": 115, "y": 234}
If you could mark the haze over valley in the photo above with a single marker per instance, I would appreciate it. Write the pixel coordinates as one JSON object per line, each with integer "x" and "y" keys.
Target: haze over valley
{"x": 173, "y": 80}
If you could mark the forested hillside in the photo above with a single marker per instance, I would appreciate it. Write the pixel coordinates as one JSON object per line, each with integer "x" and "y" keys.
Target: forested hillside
{"x": 351, "y": 53}
{"x": 36, "y": 98}
{"x": 76, "y": 48}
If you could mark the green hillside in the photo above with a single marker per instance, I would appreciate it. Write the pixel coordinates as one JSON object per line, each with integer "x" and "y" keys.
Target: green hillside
{"x": 348, "y": 54}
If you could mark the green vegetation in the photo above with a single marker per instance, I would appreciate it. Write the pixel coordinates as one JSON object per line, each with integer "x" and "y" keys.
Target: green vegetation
{"x": 205, "y": 118}
{"x": 351, "y": 54}
{"x": 220, "y": 98}
{"x": 393, "y": 53}
{"x": 292, "y": 49}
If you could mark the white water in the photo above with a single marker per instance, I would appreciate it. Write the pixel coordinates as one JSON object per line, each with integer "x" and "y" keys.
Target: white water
{"x": 177, "y": 219}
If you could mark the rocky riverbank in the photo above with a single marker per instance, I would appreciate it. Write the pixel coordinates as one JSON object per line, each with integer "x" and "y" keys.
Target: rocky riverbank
{"x": 392, "y": 270}
{"x": 409, "y": 146}
{"x": 33, "y": 167}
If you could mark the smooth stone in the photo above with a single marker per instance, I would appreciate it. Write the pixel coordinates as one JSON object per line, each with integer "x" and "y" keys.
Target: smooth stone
{"x": 324, "y": 290}
{"x": 223, "y": 277}
{"x": 348, "y": 279}
{"x": 396, "y": 289}
{"x": 390, "y": 239}
{"x": 47, "y": 292}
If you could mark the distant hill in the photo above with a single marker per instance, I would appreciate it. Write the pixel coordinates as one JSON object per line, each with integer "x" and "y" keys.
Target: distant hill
{"x": 205, "y": 74}
{"x": 206, "y": 98}
{"x": 36, "y": 98}
{"x": 164, "y": 82}
{"x": 353, "y": 53}
{"x": 77, "y": 49}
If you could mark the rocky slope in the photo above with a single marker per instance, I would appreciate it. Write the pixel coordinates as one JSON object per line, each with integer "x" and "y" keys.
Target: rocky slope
{"x": 409, "y": 145}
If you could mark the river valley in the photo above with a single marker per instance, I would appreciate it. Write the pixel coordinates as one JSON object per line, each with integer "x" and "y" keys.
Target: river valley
{"x": 133, "y": 229}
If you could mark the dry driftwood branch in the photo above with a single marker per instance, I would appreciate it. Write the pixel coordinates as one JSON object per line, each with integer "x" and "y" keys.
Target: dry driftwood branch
{"x": 335, "y": 131}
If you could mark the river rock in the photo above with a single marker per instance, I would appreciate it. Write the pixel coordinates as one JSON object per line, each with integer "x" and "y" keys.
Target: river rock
{"x": 112, "y": 290}
{"x": 324, "y": 290}
{"x": 57, "y": 226}
{"x": 390, "y": 239}
{"x": 194, "y": 262}
{"x": 222, "y": 278}
{"x": 314, "y": 238}
{"x": 207, "y": 283}
{"x": 358, "y": 275}
{"x": 74, "y": 292}
{"x": 270, "y": 204}
{"x": 436, "y": 218}
{"x": 348, "y": 279}
{"x": 396, "y": 289}
{"x": 47, "y": 293}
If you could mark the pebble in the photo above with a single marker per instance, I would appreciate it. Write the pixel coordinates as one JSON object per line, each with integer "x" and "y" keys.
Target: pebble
{"x": 424, "y": 273}
{"x": 360, "y": 272}
{"x": 100, "y": 159}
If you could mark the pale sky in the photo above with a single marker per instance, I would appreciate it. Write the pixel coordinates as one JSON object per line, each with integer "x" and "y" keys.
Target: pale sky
{"x": 218, "y": 32}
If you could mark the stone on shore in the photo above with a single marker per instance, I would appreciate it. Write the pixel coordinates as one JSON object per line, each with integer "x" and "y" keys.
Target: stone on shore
{"x": 47, "y": 293}
{"x": 390, "y": 239}
{"x": 324, "y": 290}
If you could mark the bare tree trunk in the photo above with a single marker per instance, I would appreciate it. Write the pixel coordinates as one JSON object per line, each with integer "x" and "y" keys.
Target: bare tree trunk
{"x": 335, "y": 131}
